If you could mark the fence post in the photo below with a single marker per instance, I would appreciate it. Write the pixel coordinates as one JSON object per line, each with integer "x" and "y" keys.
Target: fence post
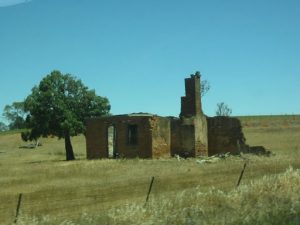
{"x": 18, "y": 207}
{"x": 149, "y": 191}
{"x": 241, "y": 175}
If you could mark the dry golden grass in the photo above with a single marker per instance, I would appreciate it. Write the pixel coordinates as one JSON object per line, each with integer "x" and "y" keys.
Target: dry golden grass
{"x": 114, "y": 191}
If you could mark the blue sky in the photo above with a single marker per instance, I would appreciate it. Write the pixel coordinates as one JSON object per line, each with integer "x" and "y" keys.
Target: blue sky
{"x": 138, "y": 52}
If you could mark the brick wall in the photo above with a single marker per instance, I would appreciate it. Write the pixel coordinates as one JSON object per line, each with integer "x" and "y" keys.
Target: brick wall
{"x": 201, "y": 138}
{"x": 186, "y": 138}
{"x": 97, "y": 137}
{"x": 225, "y": 135}
{"x": 153, "y": 136}
{"x": 161, "y": 133}
{"x": 189, "y": 133}
{"x": 191, "y": 102}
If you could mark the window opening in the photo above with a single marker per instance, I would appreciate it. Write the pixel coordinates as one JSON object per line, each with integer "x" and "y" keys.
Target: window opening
{"x": 132, "y": 134}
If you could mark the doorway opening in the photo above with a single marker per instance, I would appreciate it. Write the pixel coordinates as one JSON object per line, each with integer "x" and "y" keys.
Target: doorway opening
{"x": 111, "y": 141}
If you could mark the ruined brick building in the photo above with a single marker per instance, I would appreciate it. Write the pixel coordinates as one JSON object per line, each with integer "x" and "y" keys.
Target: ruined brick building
{"x": 151, "y": 136}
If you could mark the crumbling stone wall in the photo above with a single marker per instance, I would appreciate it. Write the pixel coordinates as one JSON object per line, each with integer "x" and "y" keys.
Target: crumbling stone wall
{"x": 96, "y": 136}
{"x": 189, "y": 133}
{"x": 153, "y": 133}
{"x": 161, "y": 137}
{"x": 182, "y": 138}
{"x": 225, "y": 135}
{"x": 191, "y": 102}
{"x": 201, "y": 136}
{"x": 192, "y": 115}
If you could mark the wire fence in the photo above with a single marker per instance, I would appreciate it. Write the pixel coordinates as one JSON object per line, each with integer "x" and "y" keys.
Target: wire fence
{"x": 64, "y": 203}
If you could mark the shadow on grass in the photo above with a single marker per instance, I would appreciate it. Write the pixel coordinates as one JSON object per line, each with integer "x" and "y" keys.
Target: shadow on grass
{"x": 258, "y": 150}
{"x": 52, "y": 161}
{"x": 31, "y": 146}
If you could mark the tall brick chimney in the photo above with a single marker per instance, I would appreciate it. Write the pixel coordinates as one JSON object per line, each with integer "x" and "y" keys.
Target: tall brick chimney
{"x": 191, "y": 102}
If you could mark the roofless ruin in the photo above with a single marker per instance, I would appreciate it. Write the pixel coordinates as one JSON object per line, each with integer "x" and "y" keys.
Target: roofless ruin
{"x": 150, "y": 136}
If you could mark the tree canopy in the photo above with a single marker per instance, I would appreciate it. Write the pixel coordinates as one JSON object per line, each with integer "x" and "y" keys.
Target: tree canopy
{"x": 16, "y": 115}
{"x": 3, "y": 127}
{"x": 59, "y": 106}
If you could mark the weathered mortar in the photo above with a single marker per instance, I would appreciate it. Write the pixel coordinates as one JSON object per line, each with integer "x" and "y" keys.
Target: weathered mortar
{"x": 182, "y": 138}
{"x": 153, "y": 133}
{"x": 201, "y": 136}
{"x": 161, "y": 137}
{"x": 191, "y": 102}
{"x": 192, "y": 115}
{"x": 225, "y": 135}
{"x": 95, "y": 137}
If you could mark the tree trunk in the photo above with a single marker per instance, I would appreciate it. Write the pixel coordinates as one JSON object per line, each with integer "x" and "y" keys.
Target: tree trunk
{"x": 69, "y": 148}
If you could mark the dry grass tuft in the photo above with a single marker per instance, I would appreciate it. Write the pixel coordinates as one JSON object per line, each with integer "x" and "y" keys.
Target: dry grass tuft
{"x": 271, "y": 200}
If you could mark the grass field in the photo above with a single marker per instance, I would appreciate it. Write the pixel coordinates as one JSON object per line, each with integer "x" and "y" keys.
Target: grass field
{"x": 184, "y": 192}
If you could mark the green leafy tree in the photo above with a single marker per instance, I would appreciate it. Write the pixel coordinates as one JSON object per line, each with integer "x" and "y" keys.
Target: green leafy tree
{"x": 59, "y": 106}
{"x": 16, "y": 115}
{"x": 223, "y": 109}
{"x": 3, "y": 126}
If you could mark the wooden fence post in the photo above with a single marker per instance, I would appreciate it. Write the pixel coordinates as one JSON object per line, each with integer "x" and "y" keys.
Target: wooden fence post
{"x": 18, "y": 207}
{"x": 149, "y": 191}
{"x": 241, "y": 175}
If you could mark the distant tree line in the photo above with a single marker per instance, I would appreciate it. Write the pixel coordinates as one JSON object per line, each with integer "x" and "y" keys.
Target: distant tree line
{"x": 3, "y": 127}
{"x": 15, "y": 115}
